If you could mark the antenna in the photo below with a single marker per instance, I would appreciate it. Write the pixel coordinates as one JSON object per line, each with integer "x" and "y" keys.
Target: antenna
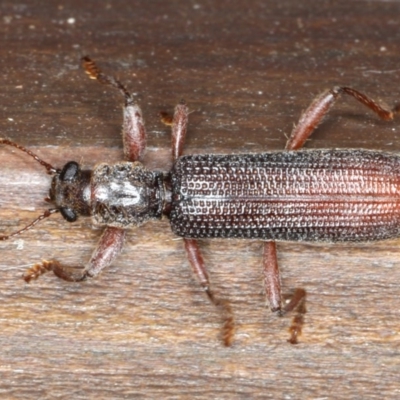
{"x": 49, "y": 167}
{"x": 46, "y": 214}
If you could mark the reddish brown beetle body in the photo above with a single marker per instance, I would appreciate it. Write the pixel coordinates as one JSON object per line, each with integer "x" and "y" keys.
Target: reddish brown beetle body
{"x": 302, "y": 195}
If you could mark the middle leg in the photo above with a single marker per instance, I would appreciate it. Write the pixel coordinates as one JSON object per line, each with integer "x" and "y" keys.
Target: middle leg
{"x": 179, "y": 128}
{"x": 272, "y": 285}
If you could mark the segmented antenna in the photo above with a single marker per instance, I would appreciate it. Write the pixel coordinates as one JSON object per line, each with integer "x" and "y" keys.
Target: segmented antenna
{"x": 49, "y": 167}
{"x": 46, "y": 214}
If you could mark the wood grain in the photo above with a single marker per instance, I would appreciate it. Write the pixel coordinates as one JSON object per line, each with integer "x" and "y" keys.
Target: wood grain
{"x": 144, "y": 329}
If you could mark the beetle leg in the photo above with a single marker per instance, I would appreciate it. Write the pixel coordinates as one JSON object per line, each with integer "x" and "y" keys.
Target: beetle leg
{"x": 321, "y": 105}
{"x": 133, "y": 129}
{"x": 178, "y": 124}
{"x": 199, "y": 269}
{"x": 179, "y": 129}
{"x": 109, "y": 246}
{"x": 308, "y": 122}
{"x": 272, "y": 284}
{"x": 297, "y": 303}
{"x": 272, "y": 278}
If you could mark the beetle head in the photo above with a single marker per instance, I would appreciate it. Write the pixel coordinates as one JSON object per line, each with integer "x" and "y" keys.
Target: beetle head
{"x": 70, "y": 191}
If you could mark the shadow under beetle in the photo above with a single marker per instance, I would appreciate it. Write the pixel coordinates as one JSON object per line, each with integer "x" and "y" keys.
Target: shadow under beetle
{"x": 295, "y": 195}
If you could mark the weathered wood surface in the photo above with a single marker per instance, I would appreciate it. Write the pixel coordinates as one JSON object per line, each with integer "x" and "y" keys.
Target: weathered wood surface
{"x": 144, "y": 329}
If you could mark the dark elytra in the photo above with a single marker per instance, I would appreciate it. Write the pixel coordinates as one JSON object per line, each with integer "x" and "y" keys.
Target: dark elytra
{"x": 307, "y": 195}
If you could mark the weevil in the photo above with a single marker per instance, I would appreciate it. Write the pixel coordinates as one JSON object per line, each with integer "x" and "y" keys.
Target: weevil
{"x": 291, "y": 195}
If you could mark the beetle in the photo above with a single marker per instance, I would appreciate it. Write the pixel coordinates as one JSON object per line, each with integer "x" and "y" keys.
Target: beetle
{"x": 291, "y": 195}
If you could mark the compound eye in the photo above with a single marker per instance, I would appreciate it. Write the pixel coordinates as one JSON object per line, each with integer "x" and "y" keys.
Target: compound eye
{"x": 69, "y": 172}
{"x": 68, "y": 213}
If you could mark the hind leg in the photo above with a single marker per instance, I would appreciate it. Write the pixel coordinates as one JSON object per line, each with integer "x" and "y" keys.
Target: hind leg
{"x": 308, "y": 122}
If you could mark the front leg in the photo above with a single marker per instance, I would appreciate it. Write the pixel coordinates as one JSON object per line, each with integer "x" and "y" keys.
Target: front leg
{"x": 108, "y": 248}
{"x": 133, "y": 129}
